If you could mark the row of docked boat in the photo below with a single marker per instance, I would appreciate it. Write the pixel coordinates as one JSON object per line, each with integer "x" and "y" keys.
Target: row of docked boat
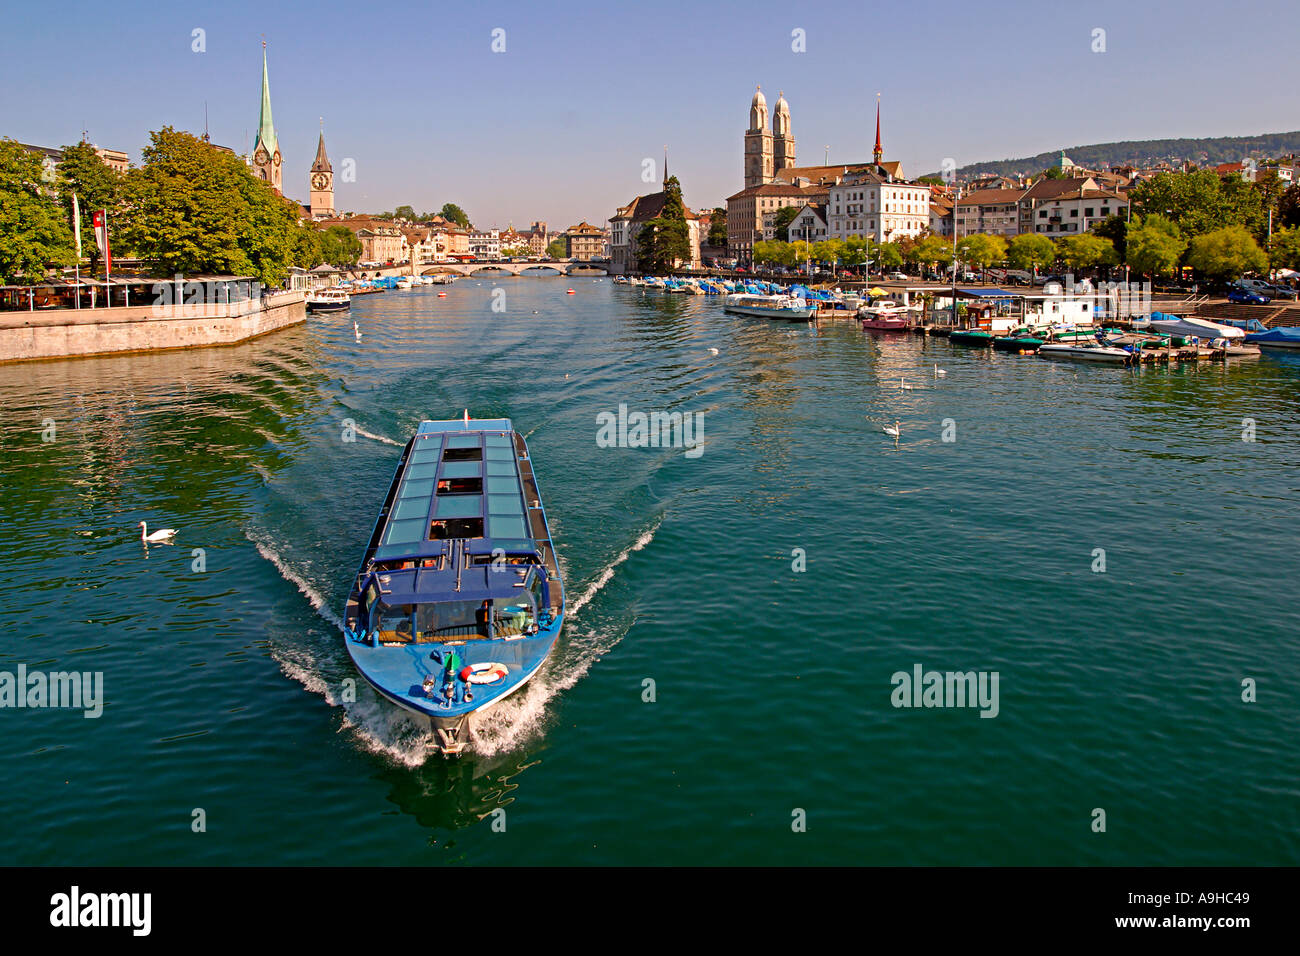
{"x": 339, "y": 298}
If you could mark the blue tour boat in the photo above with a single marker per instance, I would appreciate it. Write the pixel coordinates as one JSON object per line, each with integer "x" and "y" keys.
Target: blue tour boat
{"x": 458, "y": 599}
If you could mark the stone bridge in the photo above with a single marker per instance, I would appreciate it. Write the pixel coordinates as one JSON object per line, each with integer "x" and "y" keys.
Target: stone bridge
{"x": 488, "y": 269}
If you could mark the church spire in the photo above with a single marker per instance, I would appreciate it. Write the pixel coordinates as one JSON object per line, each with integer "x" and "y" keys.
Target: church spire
{"x": 322, "y": 163}
{"x": 878, "y": 153}
{"x": 265, "y": 125}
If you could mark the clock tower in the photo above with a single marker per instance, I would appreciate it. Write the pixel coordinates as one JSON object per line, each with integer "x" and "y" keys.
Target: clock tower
{"x": 322, "y": 183}
{"x": 267, "y": 161}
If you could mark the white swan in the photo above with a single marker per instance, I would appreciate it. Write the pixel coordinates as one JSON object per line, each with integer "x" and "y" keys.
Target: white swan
{"x": 902, "y": 383}
{"x": 713, "y": 351}
{"x": 893, "y": 432}
{"x": 166, "y": 534}
{"x": 355, "y": 330}
{"x": 939, "y": 371}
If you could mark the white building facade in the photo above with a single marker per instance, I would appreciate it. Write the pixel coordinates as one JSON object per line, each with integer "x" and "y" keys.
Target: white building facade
{"x": 874, "y": 206}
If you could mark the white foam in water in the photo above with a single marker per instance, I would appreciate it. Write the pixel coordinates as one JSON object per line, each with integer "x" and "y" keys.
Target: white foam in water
{"x": 608, "y": 573}
{"x": 384, "y": 729}
{"x": 387, "y": 441}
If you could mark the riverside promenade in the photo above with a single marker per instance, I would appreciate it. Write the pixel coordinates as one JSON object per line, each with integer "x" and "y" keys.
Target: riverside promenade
{"x": 65, "y": 333}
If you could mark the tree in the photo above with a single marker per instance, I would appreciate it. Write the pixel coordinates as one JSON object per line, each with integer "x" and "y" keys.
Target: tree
{"x": 1154, "y": 246}
{"x": 1285, "y": 250}
{"x": 404, "y": 212}
{"x": 981, "y": 250}
{"x": 95, "y": 184}
{"x": 718, "y": 228}
{"x": 665, "y": 241}
{"x": 1030, "y": 252}
{"x": 1226, "y": 253}
{"x": 556, "y": 250}
{"x": 932, "y": 250}
{"x": 1202, "y": 201}
{"x": 453, "y": 213}
{"x": 340, "y": 247}
{"x": 192, "y": 208}
{"x": 1114, "y": 228}
{"x": 784, "y": 216}
{"x": 33, "y": 230}
{"x": 1288, "y": 207}
{"x": 854, "y": 251}
{"x": 515, "y": 252}
{"x": 890, "y": 256}
{"x": 1085, "y": 251}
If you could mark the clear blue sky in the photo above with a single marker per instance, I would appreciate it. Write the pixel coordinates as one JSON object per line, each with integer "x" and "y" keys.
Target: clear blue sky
{"x": 556, "y": 127}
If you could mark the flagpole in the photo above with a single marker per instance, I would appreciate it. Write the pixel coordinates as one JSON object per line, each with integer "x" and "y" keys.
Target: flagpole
{"x": 108, "y": 266}
{"x": 76, "y": 227}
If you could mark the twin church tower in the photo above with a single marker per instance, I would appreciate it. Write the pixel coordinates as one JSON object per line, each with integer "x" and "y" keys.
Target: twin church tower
{"x": 768, "y": 148}
{"x": 268, "y": 163}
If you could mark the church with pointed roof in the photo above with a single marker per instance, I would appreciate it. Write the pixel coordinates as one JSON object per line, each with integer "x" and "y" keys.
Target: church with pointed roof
{"x": 267, "y": 161}
{"x": 322, "y": 183}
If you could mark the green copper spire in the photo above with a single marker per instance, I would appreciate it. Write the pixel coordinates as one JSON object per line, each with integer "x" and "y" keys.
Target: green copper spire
{"x": 265, "y": 126}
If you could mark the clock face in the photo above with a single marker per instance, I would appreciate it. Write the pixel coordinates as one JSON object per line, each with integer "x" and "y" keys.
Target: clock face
{"x": 319, "y": 182}
{"x": 277, "y": 157}
{"x": 260, "y": 156}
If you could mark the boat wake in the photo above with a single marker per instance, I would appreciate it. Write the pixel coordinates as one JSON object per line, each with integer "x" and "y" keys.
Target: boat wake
{"x": 518, "y": 718}
{"x": 380, "y": 438}
{"x": 316, "y": 661}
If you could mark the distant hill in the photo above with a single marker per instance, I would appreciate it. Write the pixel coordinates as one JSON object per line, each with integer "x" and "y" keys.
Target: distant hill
{"x": 1208, "y": 151}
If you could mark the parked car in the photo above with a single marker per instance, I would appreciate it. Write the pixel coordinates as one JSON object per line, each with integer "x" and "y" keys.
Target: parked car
{"x": 1246, "y": 297}
{"x": 1280, "y": 292}
{"x": 898, "y": 276}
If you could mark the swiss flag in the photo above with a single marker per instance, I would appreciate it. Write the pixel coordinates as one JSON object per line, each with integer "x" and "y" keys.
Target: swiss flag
{"x": 100, "y": 221}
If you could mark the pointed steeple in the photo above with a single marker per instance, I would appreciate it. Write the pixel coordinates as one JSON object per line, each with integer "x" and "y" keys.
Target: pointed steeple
{"x": 878, "y": 152}
{"x": 322, "y": 163}
{"x": 665, "y": 166}
{"x": 265, "y": 126}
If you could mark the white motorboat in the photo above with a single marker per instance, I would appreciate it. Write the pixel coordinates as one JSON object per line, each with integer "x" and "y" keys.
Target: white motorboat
{"x": 769, "y": 306}
{"x": 1086, "y": 353}
{"x": 1195, "y": 328}
{"x": 329, "y": 300}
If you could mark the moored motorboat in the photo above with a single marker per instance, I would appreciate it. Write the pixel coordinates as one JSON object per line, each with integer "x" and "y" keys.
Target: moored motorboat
{"x": 884, "y": 315}
{"x": 769, "y": 306}
{"x": 458, "y": 599}
{"x": 1087, "y": 353}
{"x": 971, "y": 337}
{"x": 329, "y": 300}
{"x": 1282, "y": 337}
{"x": 1018, "y": 340}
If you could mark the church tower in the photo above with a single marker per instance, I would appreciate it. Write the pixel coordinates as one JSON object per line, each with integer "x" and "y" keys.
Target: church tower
{"x": 266, "y": 150}
{"x": 758, "y": 143}
{"x": 783, "y": 138}
{"x": 322, "y": 183}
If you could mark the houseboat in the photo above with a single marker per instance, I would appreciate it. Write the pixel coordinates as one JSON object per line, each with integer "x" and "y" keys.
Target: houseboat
{"x": 458, "y": 599}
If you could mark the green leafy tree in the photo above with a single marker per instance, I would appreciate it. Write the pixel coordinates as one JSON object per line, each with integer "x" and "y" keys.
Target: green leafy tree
{"x": 195, "y": 209}
{"x": 1154, "y": 246}
{"x": 932, "y": 251}
{"x": 404, "y": 212}
{"x": 95, "y": 184}
{"x": 718, "y": 228}
{"x": 784, "y": 216}
{"x": 1086, "y": 251}
{"x": 1226, "y": 253}
{"x": 1288, "y": 207}
{"x": 34, "y": 231}
{"x": 981, "y": 250}
{"x": 1202, "y": 201}
{"x": 890, "y": 256}
{"x": 340, "y": 247}
{"x": 1114, "y": 228}
{"x": 515, "y": 252}
{"x": 1284, "y": 253}
{"x": 854, "y": 251}
{"x": 453, "y": 213}
{"x": 1030, "y": 252}
{"x": 665, "y": 241}
{"x": 307, "y": 251}
{"x": 556, "y": 249}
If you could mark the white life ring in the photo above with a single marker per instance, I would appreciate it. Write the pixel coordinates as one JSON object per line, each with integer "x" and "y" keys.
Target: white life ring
{"x": 488, "y": 673}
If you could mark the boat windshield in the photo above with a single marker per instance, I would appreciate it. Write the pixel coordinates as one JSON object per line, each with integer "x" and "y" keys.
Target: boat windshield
{"x": 455, "y": 620}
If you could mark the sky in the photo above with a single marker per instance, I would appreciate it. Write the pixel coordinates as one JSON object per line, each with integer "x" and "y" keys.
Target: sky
{"x": 557, "y": 126}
